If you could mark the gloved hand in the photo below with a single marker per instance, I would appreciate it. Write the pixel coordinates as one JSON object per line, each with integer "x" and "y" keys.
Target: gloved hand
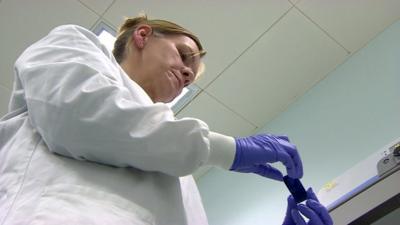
{"x": 313, "y": 210}
{"x": 255, "y": 152}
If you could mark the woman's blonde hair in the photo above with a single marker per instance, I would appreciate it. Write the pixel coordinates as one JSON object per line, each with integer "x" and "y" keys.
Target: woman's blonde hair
{"x": 159, "y": 26}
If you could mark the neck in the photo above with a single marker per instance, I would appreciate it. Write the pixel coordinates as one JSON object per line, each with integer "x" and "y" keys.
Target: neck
{"x": 134, "y": 73}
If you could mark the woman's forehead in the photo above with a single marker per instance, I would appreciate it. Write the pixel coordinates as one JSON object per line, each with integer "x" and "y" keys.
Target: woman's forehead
{"x": 186, "y": 40}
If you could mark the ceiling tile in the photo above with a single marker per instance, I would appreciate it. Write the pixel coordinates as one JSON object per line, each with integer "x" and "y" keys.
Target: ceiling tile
{"x": 225, "y": 27}
{"x": 294, "y": 1}
{"x": 4, "y": 99}
{"x": 24, "y": 22}
{"x": 99, "y": 6}
{"x": 282, "y": 65}
{"x": 218, "y": 117}
{"x": 352, "y": 23}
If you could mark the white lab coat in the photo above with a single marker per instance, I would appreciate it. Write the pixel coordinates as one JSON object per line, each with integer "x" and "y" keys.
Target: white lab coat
{"x": 84, "y": 144}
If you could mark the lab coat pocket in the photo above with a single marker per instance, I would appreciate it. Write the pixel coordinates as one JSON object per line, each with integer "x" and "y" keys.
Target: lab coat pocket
{"x": 73, "y": 204}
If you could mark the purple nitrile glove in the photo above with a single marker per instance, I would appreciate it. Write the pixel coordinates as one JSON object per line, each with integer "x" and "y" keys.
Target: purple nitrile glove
{"x": 255, "y": 152}
{"x": 313, "y": 210}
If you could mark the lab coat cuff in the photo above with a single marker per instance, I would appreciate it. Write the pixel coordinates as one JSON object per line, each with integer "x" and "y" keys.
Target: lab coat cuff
{"x": 222, "y": 150}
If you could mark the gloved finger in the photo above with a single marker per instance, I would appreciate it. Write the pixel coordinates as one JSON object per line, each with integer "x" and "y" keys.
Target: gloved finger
{"x": 268, "y": 171}
{"x": 294, "y": 154}
{"x": 290, "y": 157}
{"x": 291, "y": 202}
{"x": 310, "y": 214}
{"x": 321, "y": 211}
{"x": 284, "y": 137}
{"x": 249, "y": 169}
{"x": 288, "y": 162}
{"x": 298, "y": 165}
{"x": 297, "y": 217}
{"x": 311, "y": 194}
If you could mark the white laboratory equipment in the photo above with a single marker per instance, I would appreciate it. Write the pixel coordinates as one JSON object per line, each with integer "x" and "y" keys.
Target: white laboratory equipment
{"x": 369, "y": 192}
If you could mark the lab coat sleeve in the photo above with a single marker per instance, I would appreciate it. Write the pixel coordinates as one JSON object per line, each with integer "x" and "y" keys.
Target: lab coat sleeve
{"x": 84, "y": 110}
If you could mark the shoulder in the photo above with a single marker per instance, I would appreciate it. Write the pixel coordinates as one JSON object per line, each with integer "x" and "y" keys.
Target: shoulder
{"x": 73, "y": 33}
{"x": 73, "y": 30}
{"x": 79, "y": 37}
{"x": 69, "y": 44}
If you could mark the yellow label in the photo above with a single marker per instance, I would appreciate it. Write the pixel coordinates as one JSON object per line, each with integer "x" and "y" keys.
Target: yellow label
{"x": 330, "y": 185}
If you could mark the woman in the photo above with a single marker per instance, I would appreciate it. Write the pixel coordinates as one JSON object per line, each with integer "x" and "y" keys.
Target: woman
{"x": 89, "y": 140}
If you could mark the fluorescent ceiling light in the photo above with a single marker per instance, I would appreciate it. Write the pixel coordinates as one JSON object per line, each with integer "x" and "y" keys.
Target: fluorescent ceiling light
{"x": 107, "y": 35}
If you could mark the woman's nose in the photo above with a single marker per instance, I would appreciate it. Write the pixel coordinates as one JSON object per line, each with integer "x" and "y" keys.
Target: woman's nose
{"x": 188, "y": 75}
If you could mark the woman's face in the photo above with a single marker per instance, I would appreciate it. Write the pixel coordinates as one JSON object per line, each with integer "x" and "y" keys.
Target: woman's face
{"x": 163, "y": 64}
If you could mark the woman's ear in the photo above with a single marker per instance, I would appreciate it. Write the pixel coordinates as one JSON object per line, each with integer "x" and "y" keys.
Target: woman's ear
{"x": 141, "y": 35}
